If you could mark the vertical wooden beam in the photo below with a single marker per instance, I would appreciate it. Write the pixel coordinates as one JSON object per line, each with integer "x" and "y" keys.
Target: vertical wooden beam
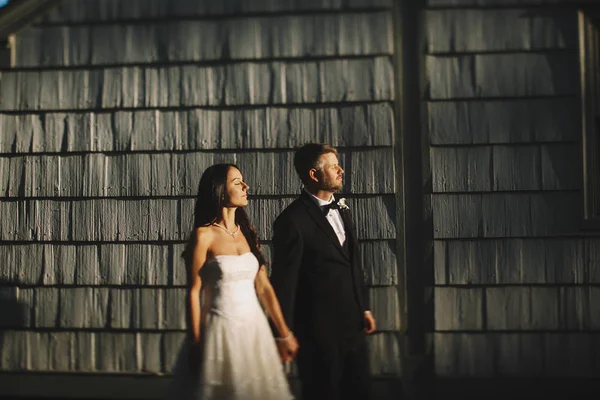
{"x": 414, "y": 223}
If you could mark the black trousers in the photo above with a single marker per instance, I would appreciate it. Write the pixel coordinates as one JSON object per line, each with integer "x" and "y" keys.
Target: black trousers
{"x": 334, "y": 370}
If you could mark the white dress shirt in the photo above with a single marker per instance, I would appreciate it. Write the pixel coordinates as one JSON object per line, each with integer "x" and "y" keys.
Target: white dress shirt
{"x": 333, "y": 217}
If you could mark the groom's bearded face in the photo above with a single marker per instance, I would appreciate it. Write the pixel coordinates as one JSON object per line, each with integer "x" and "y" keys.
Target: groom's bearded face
{"x": 330, "y": 173}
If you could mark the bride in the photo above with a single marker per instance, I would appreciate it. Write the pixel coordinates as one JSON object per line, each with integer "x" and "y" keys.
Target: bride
{"x": 230, "y": 352}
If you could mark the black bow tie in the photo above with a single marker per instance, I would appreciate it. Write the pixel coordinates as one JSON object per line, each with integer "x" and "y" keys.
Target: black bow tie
{"x": 331, "y": 206}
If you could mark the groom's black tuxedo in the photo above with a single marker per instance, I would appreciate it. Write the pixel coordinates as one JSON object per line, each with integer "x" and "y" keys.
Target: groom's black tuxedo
{"x": 320, "y": 286}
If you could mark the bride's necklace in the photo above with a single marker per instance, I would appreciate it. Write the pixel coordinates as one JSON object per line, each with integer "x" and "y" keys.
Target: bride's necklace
{"x": 232, "y": 234}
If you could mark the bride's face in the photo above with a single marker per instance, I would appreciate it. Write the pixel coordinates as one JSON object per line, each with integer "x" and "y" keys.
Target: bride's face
{"x": 237, "y": 190}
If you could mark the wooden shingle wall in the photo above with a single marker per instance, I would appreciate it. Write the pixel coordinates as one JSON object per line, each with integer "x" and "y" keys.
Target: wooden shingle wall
{"x": 516, "y": 278}
{"x": 111, "y": 114}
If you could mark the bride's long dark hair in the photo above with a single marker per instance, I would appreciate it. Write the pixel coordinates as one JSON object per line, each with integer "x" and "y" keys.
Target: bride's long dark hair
{"x": 211, "y": 199}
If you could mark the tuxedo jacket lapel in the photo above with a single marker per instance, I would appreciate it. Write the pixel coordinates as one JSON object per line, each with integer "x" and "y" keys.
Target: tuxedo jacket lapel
{"x": 317, "y": 215}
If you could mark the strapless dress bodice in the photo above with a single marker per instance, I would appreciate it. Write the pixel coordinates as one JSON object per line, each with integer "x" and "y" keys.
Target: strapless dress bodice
{"x": 228, "y": 281}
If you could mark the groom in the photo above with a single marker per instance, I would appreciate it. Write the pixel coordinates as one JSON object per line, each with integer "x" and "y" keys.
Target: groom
{"x": 319, "y": 282}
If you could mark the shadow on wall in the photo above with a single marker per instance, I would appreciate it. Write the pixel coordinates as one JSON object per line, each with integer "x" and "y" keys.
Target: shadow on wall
{"x": 563, "y": 69}
{"x": 14, "y": 314}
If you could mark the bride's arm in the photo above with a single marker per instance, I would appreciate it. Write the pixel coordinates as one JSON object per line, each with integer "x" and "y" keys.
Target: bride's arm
{"x": 201, "y": 239}
{"x": 268, "y": 299}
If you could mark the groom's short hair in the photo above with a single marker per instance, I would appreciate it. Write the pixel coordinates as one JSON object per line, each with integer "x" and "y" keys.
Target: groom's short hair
{"x": 307, "y": 157}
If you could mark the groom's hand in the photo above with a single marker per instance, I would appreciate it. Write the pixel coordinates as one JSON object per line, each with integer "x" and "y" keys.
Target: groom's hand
{"x": 288, "y": 348}
{"x": 370, "y": 325}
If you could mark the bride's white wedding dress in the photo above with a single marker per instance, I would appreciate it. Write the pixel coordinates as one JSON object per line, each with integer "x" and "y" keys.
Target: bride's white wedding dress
{"x": 239, "y": 357}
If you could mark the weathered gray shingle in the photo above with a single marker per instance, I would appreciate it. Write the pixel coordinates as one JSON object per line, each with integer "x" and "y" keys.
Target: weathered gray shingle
{"x": 385, "y": 354}
{"x": 567, "y": 262}
{"x": 82, "y": 307}
{"x": 133, "y": 352}
{"x": 461, "y": 169}
{"x": 386, "y": 308}
{"x": 168, "y": 174}
{"x": 505, "y": 215}
{"x": 490, "y": 3}
{"x": 472, "y": 30}
{"x": 516, "y": 354}
{"x": 151, "y": 360}
{"x": 14, "y": 350}
{"x": 111, "y": 10}
{"x": 248, "y": 83}
{"x": 196, "y": 129}
{"x": 206, "y": 40}
{"x": 16, "y": 256}
{"x": 578, "y": 307}
{"x": 14, "y": 310}
{"x": 117, "y": 352}
{"x": 137, "y": 264}
{"x": 171, "y": 348}
{"x": 147, "y": 308}
{"x": 505, "y": 168}
{"x": 520, "y": 355}
{"x": 379, "y": 262}
{"x": 462, "y": 354}
{"x": 571, "y": 354}
{"x": 516, "y": 261}
{"x": 522, "y": 308}
{"x": 592, "y": 259}
{"x": 160, "y": 219}
{"x": 46, "y": 306}
{"x": 502, "y": 75}
{"x": 458, "y": 308}
{"x": 503, "y": 121}
{"x": 560, "y": 167}
{"x": 516, "y": 168}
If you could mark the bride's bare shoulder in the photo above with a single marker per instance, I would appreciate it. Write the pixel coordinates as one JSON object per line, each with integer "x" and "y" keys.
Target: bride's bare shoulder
{"x": 204, "y": 231}
{"x": 203, "y": 235}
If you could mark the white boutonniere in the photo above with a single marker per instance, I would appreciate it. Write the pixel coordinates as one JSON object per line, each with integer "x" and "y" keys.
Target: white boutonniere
{"x": 342, "y": 204}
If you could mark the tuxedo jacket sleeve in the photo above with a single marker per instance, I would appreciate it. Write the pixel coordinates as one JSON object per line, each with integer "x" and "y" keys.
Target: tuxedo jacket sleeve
{"x": 285, "y": 266}
{"x": 357, "y": 264}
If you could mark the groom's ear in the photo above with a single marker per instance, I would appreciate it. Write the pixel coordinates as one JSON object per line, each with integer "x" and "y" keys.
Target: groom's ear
{"x": 312, "y": 175}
